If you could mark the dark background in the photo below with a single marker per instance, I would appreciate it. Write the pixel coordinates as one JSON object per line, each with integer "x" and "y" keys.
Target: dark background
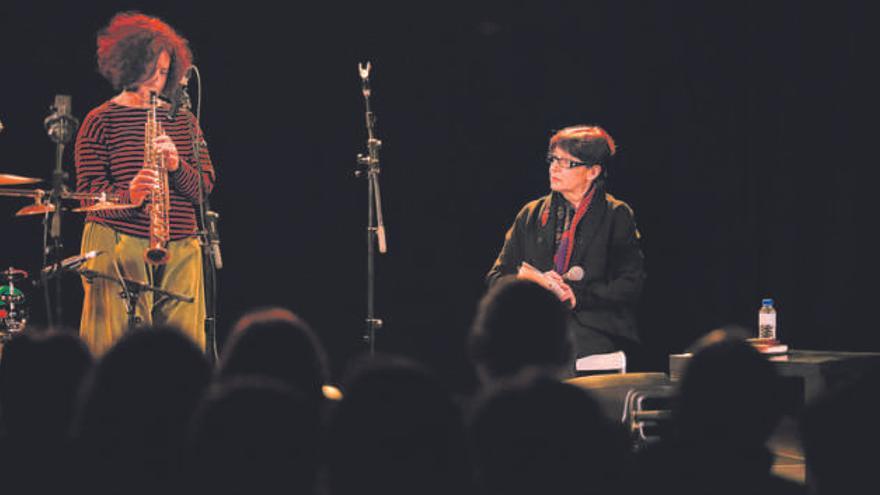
{"x": 745, "y": 140}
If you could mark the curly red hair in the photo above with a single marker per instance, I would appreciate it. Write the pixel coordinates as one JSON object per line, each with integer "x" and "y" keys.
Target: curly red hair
{"x": 129, "y": 47}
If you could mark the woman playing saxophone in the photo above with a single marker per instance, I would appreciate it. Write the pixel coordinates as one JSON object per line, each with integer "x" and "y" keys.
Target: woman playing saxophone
{"x": 116, "y": 152}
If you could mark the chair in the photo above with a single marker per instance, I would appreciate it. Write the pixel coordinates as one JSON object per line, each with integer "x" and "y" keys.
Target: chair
{"x": 647, "y": 414}
{"x": 611, "y": 390}
{"x": 641, "y": 402}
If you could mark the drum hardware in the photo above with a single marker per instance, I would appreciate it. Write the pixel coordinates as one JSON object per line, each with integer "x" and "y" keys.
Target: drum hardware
{"x": 70, "y": 263}
{"x": 38, "y": 208}
{"x": 131, "y": 291}
{"x": 61, "y": 126}
{"x": 17, "y": 180}
{"x": 103, "y": 201}
{"x": 22, "y": 193}
{"x": 13, "y": 307}
{"x": 104, "y": 206}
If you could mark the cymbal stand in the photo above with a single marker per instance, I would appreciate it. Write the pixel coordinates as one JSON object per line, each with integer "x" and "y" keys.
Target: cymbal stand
{"x": 375, "y": 224}
{"x": 61, "y": 126}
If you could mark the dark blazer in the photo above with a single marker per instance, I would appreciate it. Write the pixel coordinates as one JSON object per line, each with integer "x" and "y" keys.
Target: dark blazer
{"x": 606, "y": 247}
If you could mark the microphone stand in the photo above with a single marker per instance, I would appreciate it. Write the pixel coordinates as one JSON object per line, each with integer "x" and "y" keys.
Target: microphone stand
{"x": 131, "y": 291}
{"x": 209, "y": 237}
{"x": 375, "y": 224}
{"x": 61, "y": 126}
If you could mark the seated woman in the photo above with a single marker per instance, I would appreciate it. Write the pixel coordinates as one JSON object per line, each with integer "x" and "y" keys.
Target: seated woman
{"x": 581, "y": 243}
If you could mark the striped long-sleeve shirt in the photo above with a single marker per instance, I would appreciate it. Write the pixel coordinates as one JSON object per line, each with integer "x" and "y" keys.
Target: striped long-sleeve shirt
{"x": 110, "y": 152}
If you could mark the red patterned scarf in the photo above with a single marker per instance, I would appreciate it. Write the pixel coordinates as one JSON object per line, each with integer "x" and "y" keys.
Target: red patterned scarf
{"x": 565, "y": 247}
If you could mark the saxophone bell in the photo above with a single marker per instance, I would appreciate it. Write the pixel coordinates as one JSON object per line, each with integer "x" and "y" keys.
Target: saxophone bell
{"x": 156, "y": 255}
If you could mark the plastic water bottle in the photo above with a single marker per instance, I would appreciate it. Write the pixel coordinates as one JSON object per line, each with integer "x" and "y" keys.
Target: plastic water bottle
{"x": 767, "y": 320}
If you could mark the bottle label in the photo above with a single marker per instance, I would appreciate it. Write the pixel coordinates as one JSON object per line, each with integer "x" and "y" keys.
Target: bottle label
{"x": 767, "y": 325}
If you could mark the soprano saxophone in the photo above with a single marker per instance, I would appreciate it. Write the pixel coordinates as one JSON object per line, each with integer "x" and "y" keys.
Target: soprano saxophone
{"x": 159, "y": 199}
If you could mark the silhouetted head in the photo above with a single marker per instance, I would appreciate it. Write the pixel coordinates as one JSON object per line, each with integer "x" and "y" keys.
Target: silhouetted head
{"x": 728, "y": 396}
{"x": 396, "y": 431}
{"x": 721, "y": 334}
{"x": 254, "y": 435}
{"x": 533, "y": 434}
{"x": 276, "y": 343}
{"x": 137, "y": 403}
{"x": 40, "y": 375}
{"x": 838, "y": 436}
{"x": 519, "y": 324}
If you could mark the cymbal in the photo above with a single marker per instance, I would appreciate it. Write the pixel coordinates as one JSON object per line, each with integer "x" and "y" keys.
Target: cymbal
{"x": 35, "y": 209}
{"x": 105, "y": 206}
{"x": 101, "y": 197}
{"x": 14, "y": 180}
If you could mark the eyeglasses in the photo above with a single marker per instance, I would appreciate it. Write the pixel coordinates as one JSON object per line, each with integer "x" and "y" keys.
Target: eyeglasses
{"x": 564, "y": 163}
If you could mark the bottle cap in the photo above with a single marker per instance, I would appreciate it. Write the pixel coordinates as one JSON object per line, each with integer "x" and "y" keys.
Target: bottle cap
{"x": 767, "y": 302}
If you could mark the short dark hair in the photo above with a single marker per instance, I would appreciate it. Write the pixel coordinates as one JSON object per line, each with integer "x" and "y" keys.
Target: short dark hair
{"x": 589, "y": 143}
{"x": 129, "y": 47}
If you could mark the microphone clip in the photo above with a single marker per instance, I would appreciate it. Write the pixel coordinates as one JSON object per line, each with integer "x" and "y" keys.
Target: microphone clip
{"x": 364, "y": 72}
{"x": 61, "y": 124}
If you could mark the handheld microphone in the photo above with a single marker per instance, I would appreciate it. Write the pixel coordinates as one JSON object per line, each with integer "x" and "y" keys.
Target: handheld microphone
{"x": 575, "y": 274}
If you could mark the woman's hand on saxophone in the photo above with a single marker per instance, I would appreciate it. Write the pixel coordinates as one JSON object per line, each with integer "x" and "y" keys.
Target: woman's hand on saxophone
{"x": 166, "y": 147}
{"x": 142, "y": 184}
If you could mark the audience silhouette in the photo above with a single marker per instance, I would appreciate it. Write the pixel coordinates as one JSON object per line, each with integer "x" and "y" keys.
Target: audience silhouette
{"x": 396, "y": 431}
{"x": 727, "y": 408}
{"x": 146, "y": 418}
{"x": 520, "y": 324}
{"x": 40, "y": 374}
{"x": 274, "y": 342}
{"x": 253, "y": 435}
{"x": 134, "y": 411}
{"x": 534, "y": 434}
{"x": 838, "y": 437}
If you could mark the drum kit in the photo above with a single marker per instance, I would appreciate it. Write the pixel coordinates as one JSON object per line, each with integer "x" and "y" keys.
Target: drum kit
{"x": 13, "y": 302}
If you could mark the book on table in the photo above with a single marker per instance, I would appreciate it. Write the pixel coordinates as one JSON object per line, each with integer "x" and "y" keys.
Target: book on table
{"x": 768, "y": 346}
